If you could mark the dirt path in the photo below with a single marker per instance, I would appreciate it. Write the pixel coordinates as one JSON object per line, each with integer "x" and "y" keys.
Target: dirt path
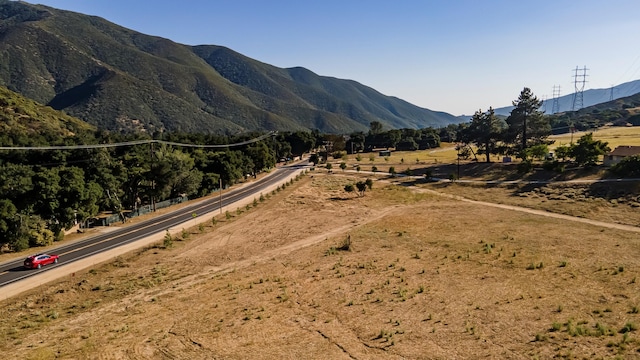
{"x": 533, "y": 211}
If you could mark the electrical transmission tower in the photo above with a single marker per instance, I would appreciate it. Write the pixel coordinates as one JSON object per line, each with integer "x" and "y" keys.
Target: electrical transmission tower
{"x": 611, "y": 94}
{"x": 555, "y": 108}
{"x": 579, "y": 79}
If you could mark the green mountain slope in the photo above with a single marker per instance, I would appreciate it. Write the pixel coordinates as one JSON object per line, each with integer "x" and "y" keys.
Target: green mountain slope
{"x": 26, "y": 122}
{"x": 118, "y": 79}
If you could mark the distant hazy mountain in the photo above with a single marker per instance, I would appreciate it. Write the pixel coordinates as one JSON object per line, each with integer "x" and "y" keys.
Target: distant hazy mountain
{"x": 590, "y": 97}
{"x": 119, "y": 79}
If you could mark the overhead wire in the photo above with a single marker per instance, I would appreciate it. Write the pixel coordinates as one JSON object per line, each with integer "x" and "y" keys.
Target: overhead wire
{"x": 137, "y": 142}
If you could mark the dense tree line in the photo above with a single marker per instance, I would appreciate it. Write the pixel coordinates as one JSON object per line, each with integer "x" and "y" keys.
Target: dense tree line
{"x": 399, "y": 139}
{"x": 43, "y": 192}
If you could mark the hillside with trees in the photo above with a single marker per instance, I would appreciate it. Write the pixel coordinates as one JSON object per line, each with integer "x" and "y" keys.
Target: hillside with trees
{"x": 121, "y": 80}
{"x": 56, "y": 171}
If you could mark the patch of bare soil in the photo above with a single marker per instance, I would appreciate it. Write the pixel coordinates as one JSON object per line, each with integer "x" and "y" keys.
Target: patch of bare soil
{"x": 314, "y": 272}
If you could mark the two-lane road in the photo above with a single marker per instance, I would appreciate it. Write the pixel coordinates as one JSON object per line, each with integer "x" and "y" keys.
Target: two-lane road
{"x": 13, "y": 271}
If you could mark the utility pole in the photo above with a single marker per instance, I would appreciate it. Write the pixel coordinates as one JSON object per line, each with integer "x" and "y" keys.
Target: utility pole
{"x": 458, "y": 149}
{"x": 524, "y": 130}
{"x": 153, "y": 181}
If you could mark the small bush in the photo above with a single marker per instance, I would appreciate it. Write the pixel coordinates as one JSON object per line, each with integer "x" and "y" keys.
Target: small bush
{"x": 525, "y": 167}
{"x": 168, "y": 240}
{"x": 628, "y": 327}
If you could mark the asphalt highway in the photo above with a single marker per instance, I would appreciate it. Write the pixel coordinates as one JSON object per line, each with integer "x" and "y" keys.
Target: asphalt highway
{"x": 14, "y": 271}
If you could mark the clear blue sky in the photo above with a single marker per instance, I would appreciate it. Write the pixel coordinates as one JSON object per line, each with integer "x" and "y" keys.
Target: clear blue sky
{"x": 457, "y": 56}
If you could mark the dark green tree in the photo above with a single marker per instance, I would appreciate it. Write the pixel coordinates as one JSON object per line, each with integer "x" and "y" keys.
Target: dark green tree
{"x": 375, "y": 128}
{"x": 485, "y": 131}
{"x": 586, "y": 151}
{"x": 262, "y": 156}
{"x": 356, "y": 142}
{"x": 391, "y": 138}
{"x": 9, "y": 221}
{"x": 301, "y": 142}
{"x": 314, "y": 159}
{"x": 526, "y": 125}
{"x": 16, "y": 184}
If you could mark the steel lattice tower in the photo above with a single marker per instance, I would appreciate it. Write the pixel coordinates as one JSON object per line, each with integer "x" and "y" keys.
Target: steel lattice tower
{"x": 611, "y": 95}
{"x": 555, "y": 108}
{"x": 579, "y": 79}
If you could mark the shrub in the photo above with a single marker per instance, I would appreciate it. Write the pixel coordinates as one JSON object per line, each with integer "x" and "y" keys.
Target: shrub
{"x": 628, "y": 327}
{"x": 554, "y": 166}
{"x": 525, "y": 166}
{"x": 168, "y": 240}
{"x": 369, "y": 183}
{"x": 349, "y": 188}
{"x": 629, "y": 166}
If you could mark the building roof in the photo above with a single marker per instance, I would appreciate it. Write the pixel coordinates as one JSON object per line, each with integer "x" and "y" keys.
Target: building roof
{"x": 625, "y": 150}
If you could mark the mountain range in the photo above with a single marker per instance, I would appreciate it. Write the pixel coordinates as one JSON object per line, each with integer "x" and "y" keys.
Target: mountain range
{"x": 122, "y": 80}
{"x": 589, "y": 98}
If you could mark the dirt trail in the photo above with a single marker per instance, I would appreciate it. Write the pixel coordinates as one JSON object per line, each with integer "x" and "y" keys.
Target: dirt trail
{"x": 533, "y": 211}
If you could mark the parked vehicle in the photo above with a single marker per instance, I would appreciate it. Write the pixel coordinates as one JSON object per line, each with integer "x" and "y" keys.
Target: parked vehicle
{"x": 39, "y": 260}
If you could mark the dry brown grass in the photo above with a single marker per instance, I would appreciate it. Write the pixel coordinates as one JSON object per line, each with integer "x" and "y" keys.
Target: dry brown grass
{"x": 424, "y": 277}
{"x": 616, "y": 203}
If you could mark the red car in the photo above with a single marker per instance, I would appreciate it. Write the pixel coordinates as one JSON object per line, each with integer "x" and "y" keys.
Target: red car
{"x": 37, "y": 261}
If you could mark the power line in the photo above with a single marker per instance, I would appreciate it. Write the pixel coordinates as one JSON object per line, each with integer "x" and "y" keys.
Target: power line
{"x": 138, "y": 142}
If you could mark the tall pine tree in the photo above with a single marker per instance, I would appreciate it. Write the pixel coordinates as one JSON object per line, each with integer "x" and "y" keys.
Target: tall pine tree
{"x": 485, "y": 130}
{"x": 527, "y": 125}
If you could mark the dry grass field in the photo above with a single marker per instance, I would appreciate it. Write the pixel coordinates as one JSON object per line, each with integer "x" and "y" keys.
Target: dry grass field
{"x": 615, "y": 136}
{"x": 316, "y": 273}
